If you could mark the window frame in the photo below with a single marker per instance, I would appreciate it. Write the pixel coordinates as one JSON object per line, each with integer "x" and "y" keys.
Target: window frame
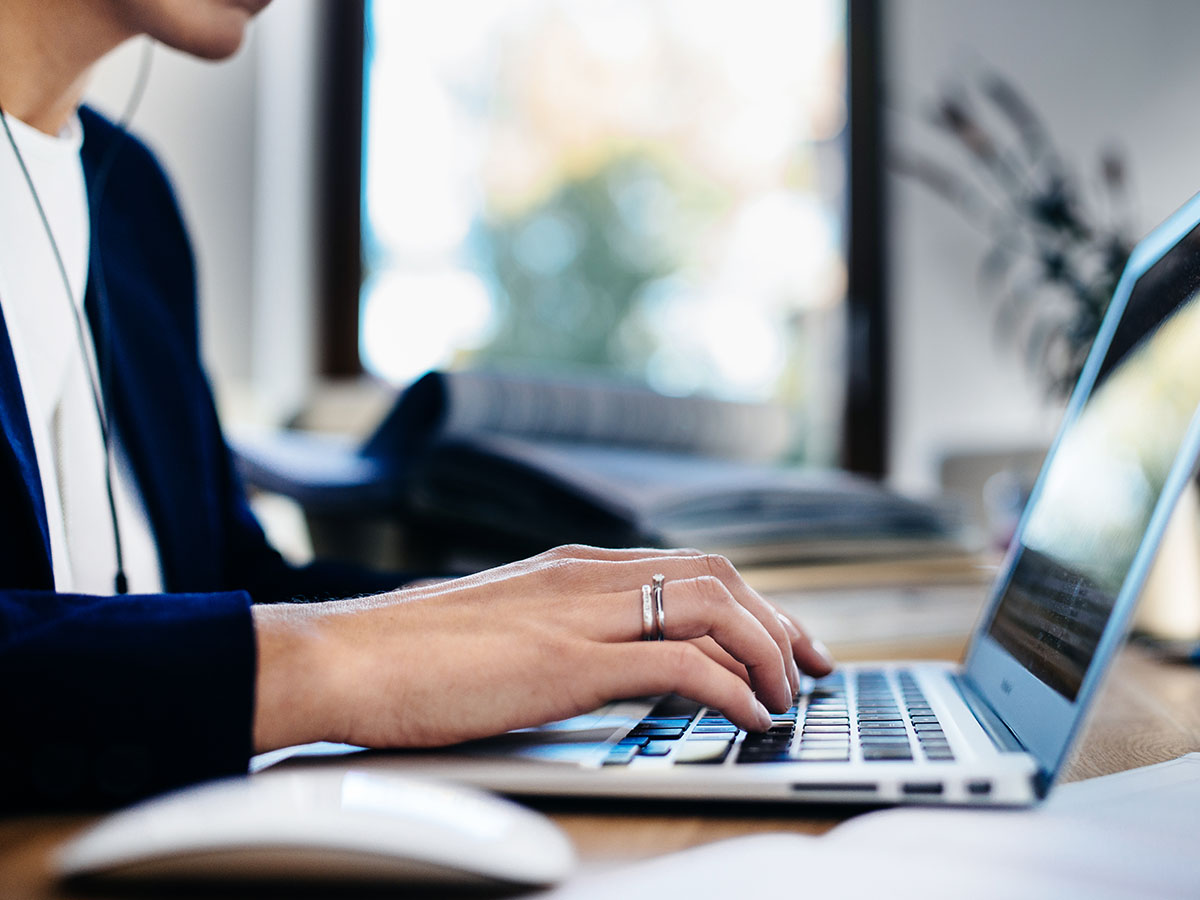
{"x": 865, "y": 417}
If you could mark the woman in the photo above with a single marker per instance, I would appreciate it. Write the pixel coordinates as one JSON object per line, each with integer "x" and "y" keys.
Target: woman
{"x": 144, "y": 637}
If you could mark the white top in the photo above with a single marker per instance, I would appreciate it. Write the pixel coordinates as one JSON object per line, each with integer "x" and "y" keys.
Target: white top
{"x": 50, "y": 363}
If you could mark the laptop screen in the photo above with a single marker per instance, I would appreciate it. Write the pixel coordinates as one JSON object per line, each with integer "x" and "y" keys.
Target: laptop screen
{"x": 1085, "y": 525}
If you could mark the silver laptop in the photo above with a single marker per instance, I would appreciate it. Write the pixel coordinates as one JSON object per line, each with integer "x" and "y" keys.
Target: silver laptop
{"x": 995, "y": 730}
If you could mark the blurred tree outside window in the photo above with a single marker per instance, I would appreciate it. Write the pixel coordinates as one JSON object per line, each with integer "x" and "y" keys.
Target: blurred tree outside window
{"x": 651, "y": 189}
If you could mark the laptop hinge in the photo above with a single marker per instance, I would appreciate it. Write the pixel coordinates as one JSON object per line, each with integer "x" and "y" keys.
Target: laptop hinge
{"x": 1000, "y": 733}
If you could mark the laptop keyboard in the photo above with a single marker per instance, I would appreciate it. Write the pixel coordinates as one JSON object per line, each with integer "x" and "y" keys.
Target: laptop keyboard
{"x": 884, "y": 718}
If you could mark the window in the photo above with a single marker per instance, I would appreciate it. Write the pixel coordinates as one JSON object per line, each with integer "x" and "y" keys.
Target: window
{"x": 652, "y": 189}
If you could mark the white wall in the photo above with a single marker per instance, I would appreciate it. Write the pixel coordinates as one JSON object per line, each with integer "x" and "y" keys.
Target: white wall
{"x": 236, "y": 138}
{"x": 1100, "y": 71}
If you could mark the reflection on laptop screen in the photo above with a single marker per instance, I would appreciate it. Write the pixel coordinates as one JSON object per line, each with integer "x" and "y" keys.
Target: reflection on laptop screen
{"x": 1095, "y": 500}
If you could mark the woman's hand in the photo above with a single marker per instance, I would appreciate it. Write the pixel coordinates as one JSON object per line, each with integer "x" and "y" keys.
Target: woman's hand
{"x": 524, "y": 644}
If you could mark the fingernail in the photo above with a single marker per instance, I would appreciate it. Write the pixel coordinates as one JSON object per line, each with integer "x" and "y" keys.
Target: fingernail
{"x": 823, "y": 652}
{"x": 764, "y": 717}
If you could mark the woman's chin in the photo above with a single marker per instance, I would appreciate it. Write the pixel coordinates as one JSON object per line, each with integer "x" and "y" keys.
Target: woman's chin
{"x": 209, "y": 29}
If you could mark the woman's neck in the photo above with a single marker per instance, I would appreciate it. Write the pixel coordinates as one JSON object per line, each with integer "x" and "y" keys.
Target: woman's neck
{"x": 47, "y": 49}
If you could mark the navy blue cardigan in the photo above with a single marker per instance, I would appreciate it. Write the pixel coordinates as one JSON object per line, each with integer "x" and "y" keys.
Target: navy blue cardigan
{"x": 105, "y": 699}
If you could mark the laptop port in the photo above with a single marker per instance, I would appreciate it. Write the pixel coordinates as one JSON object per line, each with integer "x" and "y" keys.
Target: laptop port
{"x": 922, "y": 787}
{"x": 860, "y": 787}
{"x": 979, "y": 788}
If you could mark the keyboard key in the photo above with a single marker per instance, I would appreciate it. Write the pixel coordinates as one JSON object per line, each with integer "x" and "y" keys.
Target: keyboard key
{"x": 767, "y": 740}
{"x": 657, "y": 748}
{"x": 821, "y": 691}
{"x": 715, "y": 729}
{"x": 631, "y": 741}
{"x": 875, "y": 754}
{"x": 673, "y": 705}
{"x": 661, "y": 734}
{"x": 771, "y": 747}
{"x": 823, "y": 755}
{"x": 703, "y": 752}
{"x": 621, "y": 755}
{"x": 660, "y": 722}
{"x": 707, "y": 738}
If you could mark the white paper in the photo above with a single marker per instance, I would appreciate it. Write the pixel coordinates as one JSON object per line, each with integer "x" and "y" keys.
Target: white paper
{"x": 1131, "y": 835}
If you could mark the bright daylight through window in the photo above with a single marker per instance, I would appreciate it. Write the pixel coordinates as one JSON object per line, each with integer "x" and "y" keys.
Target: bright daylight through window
{"x": 651, "y": 189}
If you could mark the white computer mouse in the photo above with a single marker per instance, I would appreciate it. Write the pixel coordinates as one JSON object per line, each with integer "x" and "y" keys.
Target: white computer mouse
{"x": 324, "y": 824}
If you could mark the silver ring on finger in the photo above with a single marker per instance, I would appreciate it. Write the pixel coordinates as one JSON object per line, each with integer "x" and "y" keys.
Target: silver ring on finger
{"x": 660, "y": 617}
{"x": 647, "y": 613}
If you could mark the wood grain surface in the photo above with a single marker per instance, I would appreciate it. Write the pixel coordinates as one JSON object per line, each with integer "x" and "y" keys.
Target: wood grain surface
{"x": 1148, "y": 712}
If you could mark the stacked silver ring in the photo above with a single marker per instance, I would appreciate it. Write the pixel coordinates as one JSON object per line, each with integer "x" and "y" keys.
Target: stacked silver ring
{"x": 647, "y": 613}
{"x": 653, "y": 618}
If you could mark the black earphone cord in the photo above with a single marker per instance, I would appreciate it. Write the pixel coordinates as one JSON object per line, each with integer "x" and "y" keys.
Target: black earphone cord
{"x": 95, "y": 379}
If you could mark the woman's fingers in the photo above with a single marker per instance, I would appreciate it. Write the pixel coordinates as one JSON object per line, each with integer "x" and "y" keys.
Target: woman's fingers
{"x": 596, "y": 592}
{"x": 555, "y": 558}
{"x": 704, "y": 606}
{"x": 677, "y": 667}
{"x": 694, "y": 608}
{"x": 629, "y": 574}
{"x": 762, "y": 610}
{"x": 718, "y": 654}
{"x": 812, "y": 656}
{"x": 587, "y": 552}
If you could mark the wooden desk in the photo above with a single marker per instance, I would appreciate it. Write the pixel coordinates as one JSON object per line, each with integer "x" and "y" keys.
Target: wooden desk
{"x": 1148, "y": 712}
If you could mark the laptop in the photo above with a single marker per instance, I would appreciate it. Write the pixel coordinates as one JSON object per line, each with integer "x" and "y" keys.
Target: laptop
{"x": 994, "y": 730}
